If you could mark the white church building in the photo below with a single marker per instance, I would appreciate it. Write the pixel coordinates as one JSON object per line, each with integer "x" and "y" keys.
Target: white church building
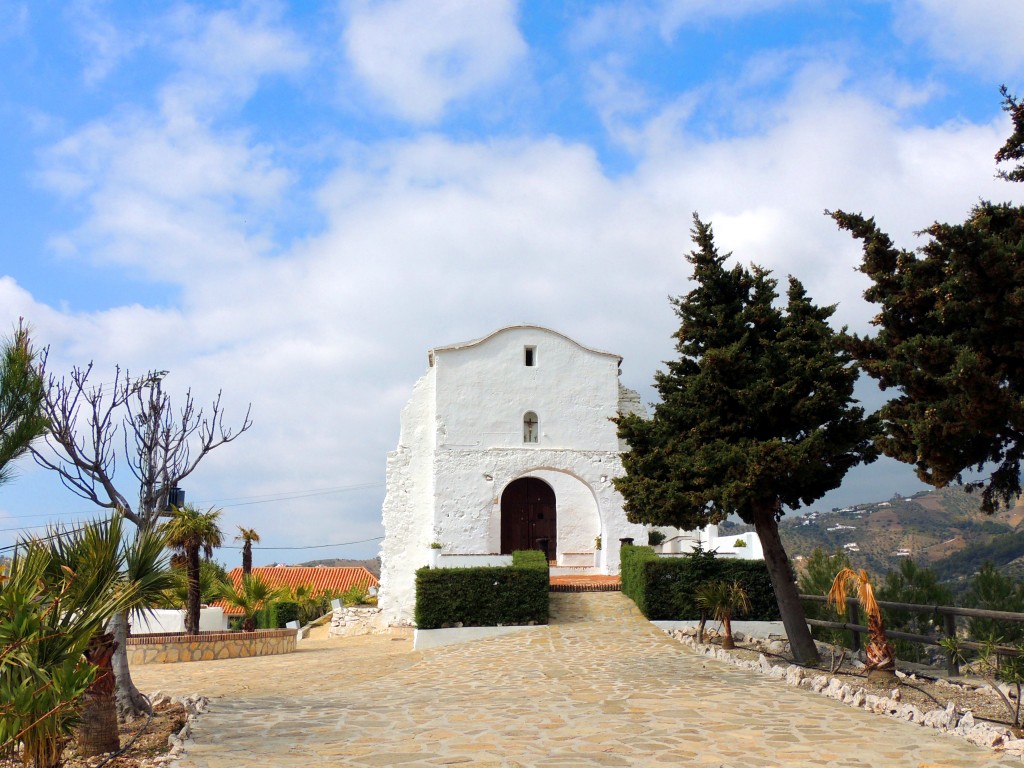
{"x": 508, "y": 444}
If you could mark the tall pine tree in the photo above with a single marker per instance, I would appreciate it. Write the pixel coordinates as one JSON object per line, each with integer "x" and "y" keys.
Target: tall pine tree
{"x": 757, "y": 414}
{"x": 950, "y": 340}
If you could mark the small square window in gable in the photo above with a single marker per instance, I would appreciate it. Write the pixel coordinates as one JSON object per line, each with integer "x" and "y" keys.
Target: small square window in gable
{"x": 530, "y": 356}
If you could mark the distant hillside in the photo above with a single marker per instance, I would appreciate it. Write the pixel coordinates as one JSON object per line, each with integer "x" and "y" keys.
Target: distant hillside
{"x": 373, "y": 566}
{"x": 941, "y": 529}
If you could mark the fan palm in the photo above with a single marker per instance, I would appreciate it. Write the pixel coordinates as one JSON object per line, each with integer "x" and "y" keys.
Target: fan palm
{"x": 722, "y": 601}
{"x": 248, "y": 537}
{"x": 252, "y": 595}
{"x": 188, "y": 532}
{"x": 57, "y": 598}
{"x": 879, "y": 653}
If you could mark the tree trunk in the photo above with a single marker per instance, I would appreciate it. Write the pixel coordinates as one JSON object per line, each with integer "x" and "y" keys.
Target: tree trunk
{"x": 246, "y": 558}
{"x": 793, "y": 619}
{"x": 727, "y": 641}
{"x": 97, "y": 732}
{"x": 130, "y": 702}
{"x": 192, "y": 609}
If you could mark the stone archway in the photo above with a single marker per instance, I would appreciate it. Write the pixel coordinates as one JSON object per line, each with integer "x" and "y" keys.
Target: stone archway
{"x": 528, "y": 517}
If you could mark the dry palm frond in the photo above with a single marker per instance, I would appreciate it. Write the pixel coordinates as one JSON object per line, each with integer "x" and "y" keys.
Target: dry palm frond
{"x": 879, "y": 651}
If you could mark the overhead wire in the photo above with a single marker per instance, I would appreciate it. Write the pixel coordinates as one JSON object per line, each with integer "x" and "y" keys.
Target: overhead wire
{"x": 257, "y": 499}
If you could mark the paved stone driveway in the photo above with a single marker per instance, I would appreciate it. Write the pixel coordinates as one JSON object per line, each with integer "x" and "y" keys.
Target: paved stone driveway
{"x": 599, "y": 687}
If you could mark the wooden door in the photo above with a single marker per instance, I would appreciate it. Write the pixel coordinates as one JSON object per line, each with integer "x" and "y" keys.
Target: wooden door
{"x": 528, "y": 518}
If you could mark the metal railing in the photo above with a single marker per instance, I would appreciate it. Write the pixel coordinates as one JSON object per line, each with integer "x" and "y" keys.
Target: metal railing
{"x": 949, "y": 614}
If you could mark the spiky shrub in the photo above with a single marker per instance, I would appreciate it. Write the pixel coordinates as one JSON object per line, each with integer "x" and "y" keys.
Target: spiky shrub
{"x": 56, "y": 599}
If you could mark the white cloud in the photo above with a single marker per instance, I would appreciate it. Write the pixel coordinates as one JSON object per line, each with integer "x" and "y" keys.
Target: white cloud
{"x": 107, "y": 44}
{"x": 167, "y": 186}
{"x": 418, "y": 56}
{"x": 170, "y": 182}
{"x": 224, "y": 55}
{"x": 614, "y": 22}
{"x": 982, "y": 36}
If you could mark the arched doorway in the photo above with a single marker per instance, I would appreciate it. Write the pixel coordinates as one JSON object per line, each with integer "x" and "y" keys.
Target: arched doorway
{"x": 528, "y": 517}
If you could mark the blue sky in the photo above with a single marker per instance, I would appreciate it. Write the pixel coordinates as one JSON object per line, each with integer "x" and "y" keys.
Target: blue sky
{"x": 293, "y": 202}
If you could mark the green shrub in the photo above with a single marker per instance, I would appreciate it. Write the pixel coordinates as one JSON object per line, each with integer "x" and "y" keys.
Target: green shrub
{"x": 357, "y": 594}
{"x": 484, "y": 597}
{"x": 266, "y": 617}
{"x": 664, "y": 588}
{"x": 529, "y": 558}
{"x": 654, "y": 538}
{"x": 288, "y": 610}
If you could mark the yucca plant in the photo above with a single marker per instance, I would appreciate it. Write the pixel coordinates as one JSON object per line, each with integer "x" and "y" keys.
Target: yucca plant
{"x": 880, "y": 657}
{"x": 722, "y": 601}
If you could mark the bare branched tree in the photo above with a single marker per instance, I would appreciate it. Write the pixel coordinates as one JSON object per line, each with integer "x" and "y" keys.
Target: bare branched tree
{"x": 90, "y": 424}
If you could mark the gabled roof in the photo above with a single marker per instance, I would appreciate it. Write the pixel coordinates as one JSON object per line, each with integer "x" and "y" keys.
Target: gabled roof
{"x": 482, "y": 339}
{"x": 321, "y": 578}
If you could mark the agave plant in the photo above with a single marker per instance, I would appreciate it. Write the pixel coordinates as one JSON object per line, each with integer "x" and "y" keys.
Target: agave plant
{"x": 880, "y": 657}
{"x": 722, "y": 601}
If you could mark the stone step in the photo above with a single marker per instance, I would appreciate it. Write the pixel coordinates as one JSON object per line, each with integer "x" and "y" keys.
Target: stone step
{"x": 573, "y": 570}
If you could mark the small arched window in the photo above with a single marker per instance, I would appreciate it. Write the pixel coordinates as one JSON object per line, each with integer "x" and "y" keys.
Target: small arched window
{"x": 531, "y": 427}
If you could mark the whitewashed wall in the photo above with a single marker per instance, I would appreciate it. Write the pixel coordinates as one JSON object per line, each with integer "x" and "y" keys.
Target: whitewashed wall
{"x": 162, "y": 620}
{"x": 461, "y": 444}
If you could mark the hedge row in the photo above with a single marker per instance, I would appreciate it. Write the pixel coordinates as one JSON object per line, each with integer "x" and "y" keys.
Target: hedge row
{"x": 484, "y": 597}
{"x": 287, "y": 610}
{"x": 529, "y": 558}
{"x": 663, "y": 587}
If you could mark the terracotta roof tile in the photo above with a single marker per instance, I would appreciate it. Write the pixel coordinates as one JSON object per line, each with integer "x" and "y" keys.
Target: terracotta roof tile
{"x": 320, "y": 578}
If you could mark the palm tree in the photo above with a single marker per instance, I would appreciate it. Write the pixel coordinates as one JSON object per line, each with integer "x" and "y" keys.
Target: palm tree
{"x": 723, "y": 601}
{"x": 211, "y": 576}
{"x": 879, "y": 653}
{"x": 248, "y": 537}
{"x": 21, "y": 398}
{"x": 145, "y": 569}
{"x": 252, "y": 595}
{"x": 189, "y": 531}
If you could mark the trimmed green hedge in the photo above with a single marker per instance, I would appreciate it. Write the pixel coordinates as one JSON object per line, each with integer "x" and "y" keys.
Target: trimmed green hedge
{"x": 663, "y": 587}
{"x": 529, "y": 558}
{"x": 484, "y": 597}
{"x": 287, "y": 611}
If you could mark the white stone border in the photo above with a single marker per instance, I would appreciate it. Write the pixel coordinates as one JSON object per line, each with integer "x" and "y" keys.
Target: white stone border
{"x": 424, "y": 639}
{"x": 948, "y": 720}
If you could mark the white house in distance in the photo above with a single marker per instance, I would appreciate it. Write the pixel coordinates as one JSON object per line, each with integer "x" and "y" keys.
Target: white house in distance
{"x": 508, "y": 444}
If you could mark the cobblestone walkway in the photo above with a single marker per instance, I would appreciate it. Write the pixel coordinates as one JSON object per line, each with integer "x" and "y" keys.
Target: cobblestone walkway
{"x": 599, "y": 687}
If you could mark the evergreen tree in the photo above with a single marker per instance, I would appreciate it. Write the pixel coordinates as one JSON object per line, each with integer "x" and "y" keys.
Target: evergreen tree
{"x": 21, "y": 400}
{"x": 756, "y": 414}
{"x": 951, "y": 340}
{"x": 913, "y": 584}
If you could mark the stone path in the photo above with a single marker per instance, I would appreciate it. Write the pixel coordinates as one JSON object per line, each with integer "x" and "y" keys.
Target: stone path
{"x": 599, "y": 687}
